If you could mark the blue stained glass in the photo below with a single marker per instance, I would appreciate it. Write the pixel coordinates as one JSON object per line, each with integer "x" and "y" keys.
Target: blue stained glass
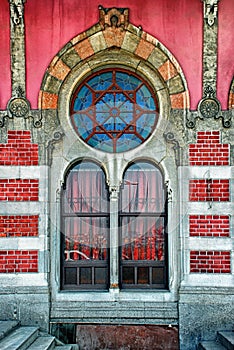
{"x": 144, "y": 98}
{"x": 101, "y": 82}
{"x": 84, "y": 100}
{"x": 119, "y": 111}
{"x": 126, "y": 81}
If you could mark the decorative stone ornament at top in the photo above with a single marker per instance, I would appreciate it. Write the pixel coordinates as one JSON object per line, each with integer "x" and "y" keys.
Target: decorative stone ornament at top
{"x": 113, "y": 17}
{"x": 16, "y": 10}
{"x": 210, "y": 11}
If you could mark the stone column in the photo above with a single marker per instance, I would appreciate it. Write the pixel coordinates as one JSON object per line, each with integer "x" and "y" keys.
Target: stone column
{"x": 210, "y": 31}
{"x": 114, "y": 238}
{"x": 17, "y": 47}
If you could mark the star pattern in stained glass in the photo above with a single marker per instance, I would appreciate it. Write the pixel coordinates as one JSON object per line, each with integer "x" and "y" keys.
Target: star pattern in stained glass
{"x": 114, "y": 111}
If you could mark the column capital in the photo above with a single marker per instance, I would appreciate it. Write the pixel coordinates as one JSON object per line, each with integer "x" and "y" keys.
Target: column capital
{"x": 210, "y": 10}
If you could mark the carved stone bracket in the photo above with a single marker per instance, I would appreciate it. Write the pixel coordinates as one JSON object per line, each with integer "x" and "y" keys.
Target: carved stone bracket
{"x": 57, "y": 137}
{"x": 210, "y": 11}
{"x": 19, "y": 107}
{"x": 113, "y": 17}
{"x": 209, "y": 107}
{"x": 170, "y": 138}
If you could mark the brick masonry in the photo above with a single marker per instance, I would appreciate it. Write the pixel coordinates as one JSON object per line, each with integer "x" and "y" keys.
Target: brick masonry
{"x": 16, "y": 261}
{"x": 19, "y": 225}
{"x": 19, "y": 189}
{"x": 209, "y": 225}
{"x": 208, "y": 150}
{"x": 19, "y": 150}
{"x": 210, "y": 261}
{"x": 208, "y": 190}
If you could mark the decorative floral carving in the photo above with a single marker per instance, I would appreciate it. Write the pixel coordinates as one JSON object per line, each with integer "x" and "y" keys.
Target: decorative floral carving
{"x": 18, "y": 107}
{"x": 209, "y": 106}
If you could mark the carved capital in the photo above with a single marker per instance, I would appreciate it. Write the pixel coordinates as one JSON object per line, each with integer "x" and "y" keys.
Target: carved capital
{"x": 114, "y": 193}
{"x": 210, "y": 11}
{"x": 16, "y": 10}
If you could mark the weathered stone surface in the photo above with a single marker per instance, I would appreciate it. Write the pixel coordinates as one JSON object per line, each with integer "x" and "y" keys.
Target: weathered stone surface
{"x": 157, "y": 57}
{"x": 93, "y": 337}
{"x": 175, "y": 85}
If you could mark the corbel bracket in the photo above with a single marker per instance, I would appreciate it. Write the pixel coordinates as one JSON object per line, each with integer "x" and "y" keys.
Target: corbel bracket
{"x": 19, "y": 107}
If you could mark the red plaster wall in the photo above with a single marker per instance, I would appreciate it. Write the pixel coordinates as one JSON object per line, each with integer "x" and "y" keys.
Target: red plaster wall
{"x": 50, "y": 24}
{"x": 225, "y": 50}
{"x": 5, "y": 68}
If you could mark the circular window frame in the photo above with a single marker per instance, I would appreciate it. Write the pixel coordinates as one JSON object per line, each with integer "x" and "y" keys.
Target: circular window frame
{"x": 137, "y": 111}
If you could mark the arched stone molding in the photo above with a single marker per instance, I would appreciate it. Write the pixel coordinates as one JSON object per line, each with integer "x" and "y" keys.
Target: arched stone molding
{"x": 114, "y": 32}
{"x": 231, "y": 96}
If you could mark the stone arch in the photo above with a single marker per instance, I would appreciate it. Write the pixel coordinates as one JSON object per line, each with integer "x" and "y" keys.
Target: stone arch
{"x": 102, "y": 37}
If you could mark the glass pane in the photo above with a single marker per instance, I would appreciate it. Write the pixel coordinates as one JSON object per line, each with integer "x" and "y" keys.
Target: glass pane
{"x": 114, "y": 111}
{"x": 158, "y": 275}
{"x": 142, "y": 238}
{"x": 86, "y": 238}
{"x": 128, "y": 275}
{"x": 100, "y": 275}
{"x": 143, "y": 190}
{"x": 85, "y": 275}
{"x": 86, "y": 190}
{"x": 143, "y": 275}
{"x": 70, "y": 275}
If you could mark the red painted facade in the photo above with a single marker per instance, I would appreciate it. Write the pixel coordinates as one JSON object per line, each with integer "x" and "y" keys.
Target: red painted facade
{"x": 177, "y": 25}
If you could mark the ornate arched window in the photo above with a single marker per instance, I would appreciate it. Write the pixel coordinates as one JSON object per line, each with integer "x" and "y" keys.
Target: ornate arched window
{"x": 85, "y": 228}
{"x": 142, "y": 222}
{"x": 114, "y": 110}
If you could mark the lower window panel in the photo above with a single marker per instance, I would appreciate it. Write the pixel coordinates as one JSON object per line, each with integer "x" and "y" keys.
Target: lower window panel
{"x": 85, "y": 277}
{"x": 141, "y": 276}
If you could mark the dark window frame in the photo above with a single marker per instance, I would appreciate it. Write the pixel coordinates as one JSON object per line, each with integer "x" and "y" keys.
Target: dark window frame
{"x": 149, "y": 264}
{"x": 83, "y": 264}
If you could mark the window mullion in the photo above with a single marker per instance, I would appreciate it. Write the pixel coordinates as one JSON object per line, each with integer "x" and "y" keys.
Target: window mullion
{"x": 114, "y": 239}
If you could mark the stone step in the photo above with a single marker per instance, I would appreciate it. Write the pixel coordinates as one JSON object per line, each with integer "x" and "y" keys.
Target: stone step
{"x": 67, "y": 347}
{"x": 6, "y": 327}
{"x": 20, "y": 339}
{"x": 43, "y": 343}
{"x": 210, "y": 345}
{"x": 226, "y": 338}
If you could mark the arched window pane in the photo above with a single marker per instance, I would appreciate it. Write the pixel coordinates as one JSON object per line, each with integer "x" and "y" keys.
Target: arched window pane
{"x": 85, "y": 228}
{"x": 143, "y": 239}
